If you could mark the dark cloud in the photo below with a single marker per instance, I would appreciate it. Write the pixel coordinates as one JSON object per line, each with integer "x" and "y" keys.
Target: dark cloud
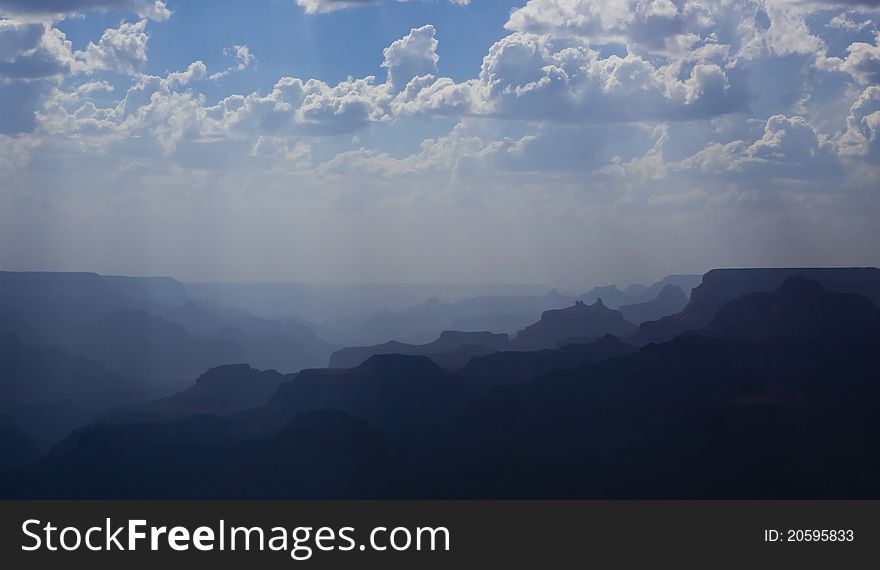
{"x": 155, "y": 9}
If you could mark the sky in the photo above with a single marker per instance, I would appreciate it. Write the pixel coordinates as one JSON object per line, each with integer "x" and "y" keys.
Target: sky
{"x": 564, "y": 142}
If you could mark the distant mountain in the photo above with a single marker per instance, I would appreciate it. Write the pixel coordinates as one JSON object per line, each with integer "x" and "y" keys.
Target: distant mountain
{"x": 685, "y": 282}
{"x": 615, "y": 298}
{"x": 449, "y": 341}
{"x": 458, "y": 358}
{"x": 221, "y": 391}
{"x": 80, "y": 296}
{"x": 772, "y": 393}
{"x": 45, "y": 393}
{"x": 507, "y": 323}
{"x": 720, "y": 286}
{"x": 670, "y": 301}
{"x": 285, "y": 345}
{"x": 610, "y": 295}
{"x": 422, "y": 322}
{"x": 578, "y": 321}
{"x": 800, "y": 308}
{"x": 336, "y": 302}
{"x": 141, "y": 345}
{"x": 147, "y": 328}
{"x": 496, "y": 313}
{"x": 387, "y": 390}
{"x": 515, "y": 367}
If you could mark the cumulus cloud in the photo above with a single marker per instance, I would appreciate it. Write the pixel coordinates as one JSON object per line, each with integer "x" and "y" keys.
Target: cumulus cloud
{"x": 613, "y": 20}
{"x": 790, "y": 147}
{"x": 749, "y": 27}
{"x": 646, "y": 114}
{"x": 163, "y": 108}
{"x": 39, "y": 54}
{"x": 32, "y": 51}
{"x": 33, "y": 58}
{"x": 586, "y": 105}
{"x": 294, "y": 106}
{"x": 297, "y": 106}
{"x": 638, "y": 60}
{"x": 530, "y": 76}
{"x": 862, "y": 135}
{"x": 863, "y": 61}
{"x": 122, "y": 49}
{"x": 414, "y": 55}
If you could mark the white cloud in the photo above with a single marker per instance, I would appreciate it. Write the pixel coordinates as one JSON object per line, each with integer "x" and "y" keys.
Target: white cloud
{"x": 612, "y": 20}
{"x": 164, "y": 108}
{"x": 863, "y": 61}
{"x": 243, "y": 60}
{"x": 530, "y": 76}
{"x": 412, "y": 56}
{"x": 581, "y": 105}
{"x": 122, "y": 49}
{"x": 33, "y": 58}
{"x": 844, "y": 21}
{"x": 790, "y": 147}
{"x": 747, "y": 26}
{"x": 17, "y": 38}
{"x": 305, "y": 107}
{"x": 32, "y": 51}
{"x": 40, "y": 54}
{"x": 862, "y": 135}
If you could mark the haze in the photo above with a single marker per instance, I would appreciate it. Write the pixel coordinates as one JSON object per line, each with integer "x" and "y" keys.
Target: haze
{"x": 558, "y": 142}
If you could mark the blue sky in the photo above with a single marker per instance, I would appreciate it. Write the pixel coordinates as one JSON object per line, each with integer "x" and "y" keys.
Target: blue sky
{"x": 566, "y": 142}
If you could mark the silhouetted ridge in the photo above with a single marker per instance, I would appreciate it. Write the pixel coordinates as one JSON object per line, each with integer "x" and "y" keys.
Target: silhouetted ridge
{"x": 225, "y": 376}
{"x": 671, "y": 300}
{"x": 221, "y": 391}
{"x": 45, "y": 392}
{"x": 416, "y": 365}
{"x": 387, "y": 390}
{"x": 616, "y": 298}
{"x": 142, "y": 345}
{"x": 697, "y": 417}
{"x": 424, "y": 321}
{"x": 800, "y": 308}
{"x": 513, "y": 367}
{"x": 449, "y": 341}
{"x": 147, "y": 328}
{"x": 578, "y": 321}
{"x": 720, "y": 286}
{"x": 772, "y": 394}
